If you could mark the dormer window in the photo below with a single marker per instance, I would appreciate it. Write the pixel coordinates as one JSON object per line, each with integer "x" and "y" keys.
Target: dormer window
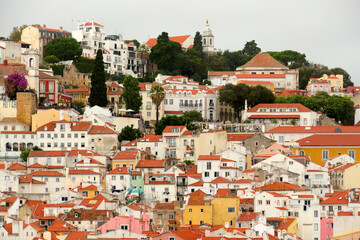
{"x": 77, "y": 214}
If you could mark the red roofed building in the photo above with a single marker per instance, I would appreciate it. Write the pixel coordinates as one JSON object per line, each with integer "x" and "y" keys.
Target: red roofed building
{"x": 185, "y": 41}
{"x": 322, "y": 147}
{"x": 283, "y": 113}
{"x": 265, "y": 68}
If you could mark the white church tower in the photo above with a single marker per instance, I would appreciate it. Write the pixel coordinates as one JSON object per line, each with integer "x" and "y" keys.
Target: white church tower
{"x": 208, "y": 40}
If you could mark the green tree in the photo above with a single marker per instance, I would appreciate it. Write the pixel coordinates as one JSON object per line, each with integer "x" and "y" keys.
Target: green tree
{"x": 64, "y": 48}
{"x": 134, "y": 41}
{"x": 259, "y": 94}
{"x": 84, "y": 65}
{"x": 251, "y": 48}
{"x": 235, "y": 59}
{"x": 171, "y": 120}
{"x": 157, "y": 95}
{"x": 193, "y": 116}
{"x": 131, "y": 94}
{"x": 194, "y": 64}
{"x": 79, "y": 106}
{"x": 289, "y": 58}
{"x": 235, "y": 96}
{"x": 98, "y": 88}
{"x": 198, "y": 42}
{"x": 129, "y": 133}
{"x": 25, "y": 153}
{"x": 218, "y": 63}
{"x": 166, "y": 54}
{"x": 51, "y": 59}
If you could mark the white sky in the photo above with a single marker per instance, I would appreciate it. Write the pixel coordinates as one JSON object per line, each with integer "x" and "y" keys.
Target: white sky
{"x": 327, "y": 31}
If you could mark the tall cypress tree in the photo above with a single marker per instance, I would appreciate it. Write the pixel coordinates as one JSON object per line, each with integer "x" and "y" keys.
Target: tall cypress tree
{"x": 98, "y": 87}
{"x": 198, "y": 42}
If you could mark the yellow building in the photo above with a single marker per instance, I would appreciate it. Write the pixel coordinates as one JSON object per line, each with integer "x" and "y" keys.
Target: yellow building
{"x": 148, "y": 109}
{"x": 337, "y": 81}
{"x": 126, "y": 159}
{"x": 267, "y": 84}
{"x": 284, "y": 225}
{"x": 343, "y": 176}
{"x": 79, "y": 94}
{"x": 90, "y": 191}
{"x": 225, "y": 210}
{"x": 198, "y": 211}
{"x": 44, "y": 117}
{"x": 321, "y": 147}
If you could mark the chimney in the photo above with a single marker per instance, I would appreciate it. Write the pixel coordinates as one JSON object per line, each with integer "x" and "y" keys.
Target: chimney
{"x": 61, "y": 29}
{"x": 44, "y": 26}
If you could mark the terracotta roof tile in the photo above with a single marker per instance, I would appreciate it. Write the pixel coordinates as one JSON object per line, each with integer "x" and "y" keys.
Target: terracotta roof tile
{"x": 101, "y": 130}
{"x": 119, "y": 170}
{"x": 179, "y": 39}
{"x": 220, "y": 180}
{"x": 150, "y": 164}
{"x": 281, "y": 186}
{"x": 83, "y": 172}
{"x": 315, "y": 129}
{"x": 34, "y": 153}
{"x": 298, "y": 106}
{"x": 168, "y": 206}
{"x": 208, "y": 157}
{"x": 47, "y": 173}
{"x": 238, "y": 137}
{"x": 263, "y": 60}
{"x": 16, "y": 166}
{"x": 248, "y": 216}
{"x": 125, "y": 155}
{"x": 331, "y": 140}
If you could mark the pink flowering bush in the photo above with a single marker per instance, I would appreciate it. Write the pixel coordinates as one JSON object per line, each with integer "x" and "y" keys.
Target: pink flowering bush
{"x": 14, "y": 83}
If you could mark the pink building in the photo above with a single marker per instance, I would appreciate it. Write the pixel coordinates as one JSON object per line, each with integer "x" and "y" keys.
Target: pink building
{"x": 135, "y": 225}
{"x": 326, "y": 228}
{"x": 315, "y": 86}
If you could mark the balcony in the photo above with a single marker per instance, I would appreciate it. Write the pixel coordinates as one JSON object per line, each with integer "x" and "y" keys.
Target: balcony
{"x": 184, "y": 184}
{"x": 330, "y": 212}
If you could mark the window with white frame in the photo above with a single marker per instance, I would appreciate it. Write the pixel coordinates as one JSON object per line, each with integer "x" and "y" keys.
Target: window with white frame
{"x": 325, "y": 155}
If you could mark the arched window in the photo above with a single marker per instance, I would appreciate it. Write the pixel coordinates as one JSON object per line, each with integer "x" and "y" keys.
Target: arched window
{"x": 22, "y": 146}
{"x": 15, "y": 147}
{"x": 8, "y": 147}
{"x": 302, "y": 153}
{"x": 30, "y": 145}
{"x": 31, "y": 62}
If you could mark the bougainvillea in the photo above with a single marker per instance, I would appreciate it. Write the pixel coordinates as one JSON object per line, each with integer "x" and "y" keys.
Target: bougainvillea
{"x": 14, "y": 83}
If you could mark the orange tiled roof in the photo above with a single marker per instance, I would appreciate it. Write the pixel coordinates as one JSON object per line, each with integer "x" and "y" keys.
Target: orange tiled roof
{"x": 16, "y": 166}
{"x": 101, "y": 130}
{"x": 277, "y": 116}
{"x": 257, "y": 76}
{"x": 281, "y": 186}
{"x": 209, "y": 157}
{"x": 196, "y": 200}
{"x": 119, "y": 170}
{"x": 168, "y": 129}
{"x": 300, "y": 107}
{"x": 150, "y": 164}
{"x": 34, "y": 153}
{"x": 315, "y": 129}
{"x": 179, "y": 39}
{"x": 197, "y": 184}
{"x": 331, "y": 140}
{"x": 263, "y": 60}
{"x": 220, "y": 180}
{"x": 83, "y": 172}
{"x": 168, "y": 206}
{"x": 247, "y": 216}
{"x": 47, "y": 173}
{"x": 75, "y": 126}
{"x": 142, "y": 85}
{"x": 126, "y": 155}
{"x": 238, "y": 137}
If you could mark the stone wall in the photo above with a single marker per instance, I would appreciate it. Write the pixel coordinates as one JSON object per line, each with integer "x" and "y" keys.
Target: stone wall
{"x": 26, "y": 106}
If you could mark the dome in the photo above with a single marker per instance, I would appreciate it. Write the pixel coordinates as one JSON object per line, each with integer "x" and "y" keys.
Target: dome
{"x": 207, "y": 31}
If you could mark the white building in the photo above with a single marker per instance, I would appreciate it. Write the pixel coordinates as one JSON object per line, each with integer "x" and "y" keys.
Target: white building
{"x": 54, "y": 180}
{"x": 160, "y": 187}
{"x": 183, "y": 100}
{"x": 117, "y": 180}
{"x": 119, "y": 57}
{"x": 282, "y": 113}
{"x": 8, "y": 182}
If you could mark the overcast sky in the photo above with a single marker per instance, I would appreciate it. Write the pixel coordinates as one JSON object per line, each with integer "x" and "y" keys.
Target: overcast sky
{"x": 327, "y": 31}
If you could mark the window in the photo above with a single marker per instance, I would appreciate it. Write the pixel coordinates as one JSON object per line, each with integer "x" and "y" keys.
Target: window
{"x": 190, "y": 209}
{"x": 325, "y": 155}
{"x": 352, "y": 154}
{"x": 231, "y": 209}
{"x": 171, "y": 101}
{"x": 302, "y": 153}
{"x": 124, "y": 227}
{"x": 281, "y": 139}
{"x": 316, "y": 227}
{"x": 267, "y": 202}
{"x": 216, "y": 174}
{"x": 208, "y": 165}
{"x": 165, "y": 101}
{"x": 207, "y": 174}
{"x": 57, "y": 179}
{"x": 260, "y": 202}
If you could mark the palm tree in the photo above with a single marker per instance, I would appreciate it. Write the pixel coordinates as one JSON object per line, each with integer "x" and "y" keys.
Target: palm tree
{"x": 157, "y": 95}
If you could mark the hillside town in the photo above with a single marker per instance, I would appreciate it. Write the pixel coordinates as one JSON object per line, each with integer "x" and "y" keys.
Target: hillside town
{"x": 106, "y": 145}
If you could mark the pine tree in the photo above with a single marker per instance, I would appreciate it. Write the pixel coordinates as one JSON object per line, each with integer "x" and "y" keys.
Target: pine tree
{"x": 98, "y": 88}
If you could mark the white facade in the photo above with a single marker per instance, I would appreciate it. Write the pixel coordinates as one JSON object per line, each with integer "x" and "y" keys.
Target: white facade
{"x": 271, "y": 204}
{"x": 119, "y": 57}
{"x": 155, "y": 188}
{"x": 8, "y": 181}
{"x": 203, "y": 101}
{"x": 54, "y": 182}
{"x": 117, "y": 181}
